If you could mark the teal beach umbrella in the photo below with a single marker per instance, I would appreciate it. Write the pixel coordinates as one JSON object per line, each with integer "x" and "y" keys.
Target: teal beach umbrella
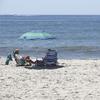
{"x": 36, "y": 35}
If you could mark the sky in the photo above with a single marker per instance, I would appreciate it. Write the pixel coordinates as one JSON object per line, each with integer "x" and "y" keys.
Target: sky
{"x": 50, "y": 7}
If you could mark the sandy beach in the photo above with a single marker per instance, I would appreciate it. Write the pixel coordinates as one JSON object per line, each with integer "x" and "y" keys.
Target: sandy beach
{"x": 76, "y": 80}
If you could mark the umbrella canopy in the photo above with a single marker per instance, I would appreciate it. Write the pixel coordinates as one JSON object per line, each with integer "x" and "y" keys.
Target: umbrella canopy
{"x": 34, "y": 35}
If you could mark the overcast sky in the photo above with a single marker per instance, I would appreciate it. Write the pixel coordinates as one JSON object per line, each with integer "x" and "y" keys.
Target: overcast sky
{"x": 50, "y": 7}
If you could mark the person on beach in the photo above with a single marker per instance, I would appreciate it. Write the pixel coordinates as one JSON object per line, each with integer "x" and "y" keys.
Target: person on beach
{"x": 8, "y": 59}
{"x": 28, "y": 60}
{"x": 22, "y": 60}
{"x": 16, "y": 55}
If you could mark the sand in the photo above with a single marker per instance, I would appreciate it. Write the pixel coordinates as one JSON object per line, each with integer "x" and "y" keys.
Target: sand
{"x": 76, "y": 80}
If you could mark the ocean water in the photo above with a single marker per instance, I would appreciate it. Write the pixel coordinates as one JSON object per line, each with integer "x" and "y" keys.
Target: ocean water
{"x": 76, "y": 36}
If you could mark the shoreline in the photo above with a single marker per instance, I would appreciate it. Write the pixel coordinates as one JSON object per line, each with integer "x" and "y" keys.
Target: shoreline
{"x": 59, "y": 58}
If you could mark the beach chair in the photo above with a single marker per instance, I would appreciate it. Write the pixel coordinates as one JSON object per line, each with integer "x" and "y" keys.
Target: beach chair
{"x": 50, "y": 58}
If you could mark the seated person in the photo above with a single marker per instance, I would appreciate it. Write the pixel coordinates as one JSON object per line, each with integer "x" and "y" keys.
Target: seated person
{"x": 22, "y": 60}
{"x": 18, "y": 59}
{"x": 16, "y": 56}
{"x": 28, "y": 61}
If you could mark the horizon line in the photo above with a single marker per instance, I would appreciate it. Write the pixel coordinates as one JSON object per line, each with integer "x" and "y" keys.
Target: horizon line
{"x": 49, "y": 14}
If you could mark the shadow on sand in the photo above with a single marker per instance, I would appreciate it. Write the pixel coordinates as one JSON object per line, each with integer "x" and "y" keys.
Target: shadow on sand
{"x": 44, "y": 67}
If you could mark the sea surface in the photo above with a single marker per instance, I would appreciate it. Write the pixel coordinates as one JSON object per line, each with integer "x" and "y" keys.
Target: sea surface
{"x": 77, "y": 37}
